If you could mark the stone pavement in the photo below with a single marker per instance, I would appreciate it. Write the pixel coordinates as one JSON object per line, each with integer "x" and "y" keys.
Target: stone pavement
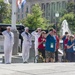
{"x": 38, "y": 69}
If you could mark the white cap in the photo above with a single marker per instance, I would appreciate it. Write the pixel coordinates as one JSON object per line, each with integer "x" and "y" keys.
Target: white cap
{"x": 8, "y": 27}
{"x": 72, "y": 35}
{"x": 38, "y": 28}
{"x": 26, "y": 28}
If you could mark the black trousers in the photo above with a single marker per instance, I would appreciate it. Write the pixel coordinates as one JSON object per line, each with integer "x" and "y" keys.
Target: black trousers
{"x": 56, "y": 56}
{"x": 42, "y": 51}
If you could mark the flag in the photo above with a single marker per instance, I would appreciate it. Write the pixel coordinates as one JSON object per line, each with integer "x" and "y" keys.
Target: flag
{"x": 6, "y": 1}
{"x": 23, "y": 2}
{"x": 20, "y": 3}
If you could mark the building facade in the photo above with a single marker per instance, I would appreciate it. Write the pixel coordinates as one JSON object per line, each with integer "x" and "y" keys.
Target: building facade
{"x": 49, "y": 7}
{"x": 71, "y": 0}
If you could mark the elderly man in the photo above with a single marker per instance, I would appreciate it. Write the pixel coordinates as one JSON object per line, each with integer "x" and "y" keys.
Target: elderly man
{"x": 36, "y": 34}
{"x": 8, "y": 44}
{"x": 26, "y": 44}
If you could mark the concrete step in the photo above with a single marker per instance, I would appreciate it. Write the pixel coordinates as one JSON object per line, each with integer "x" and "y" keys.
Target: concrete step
{"x": 18, "y": 58}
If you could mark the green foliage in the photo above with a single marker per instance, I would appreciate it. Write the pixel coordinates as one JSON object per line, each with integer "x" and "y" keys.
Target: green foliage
{"x": 50, "y": 26}
{"x": 62, "y": 12}
{"x": 70, "y": 17}
{"x": 7, "y": 21}
{"x": 4, "y": 11}
{"x": 71, "y": 7}
{"x": 35, "y": 19}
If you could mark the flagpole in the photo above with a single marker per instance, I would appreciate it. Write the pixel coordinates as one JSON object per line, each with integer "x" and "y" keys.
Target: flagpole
{"x": 14, "y": 29}
{"x": 14, "y": 14}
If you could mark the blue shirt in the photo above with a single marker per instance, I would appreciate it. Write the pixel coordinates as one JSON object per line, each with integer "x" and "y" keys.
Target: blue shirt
{"x": 55, "y": 38}
{"x": 69, "y": 44}
{"x": 64, "y": 38}
{"x": 50, "y": 43}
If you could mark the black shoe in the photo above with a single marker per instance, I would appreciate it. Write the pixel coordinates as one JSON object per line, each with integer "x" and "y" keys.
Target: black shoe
{"x": 25, "y": 62}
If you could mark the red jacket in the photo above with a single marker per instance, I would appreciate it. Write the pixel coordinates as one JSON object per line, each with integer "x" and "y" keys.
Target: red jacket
{"x": 57, "y": 42}
{"x": 41, "y": 46}
{"x": 65, "y": 43}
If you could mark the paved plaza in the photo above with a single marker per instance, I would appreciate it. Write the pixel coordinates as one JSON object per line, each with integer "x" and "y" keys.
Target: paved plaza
{"x": 38, "y": 69}
{"x": 32, "y": 68}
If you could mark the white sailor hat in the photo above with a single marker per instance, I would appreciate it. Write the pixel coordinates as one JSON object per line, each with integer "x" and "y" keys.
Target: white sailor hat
{"x": 8, "y": 27}
{"x": 26, "y": 28}
{"x": 38, "y": 28}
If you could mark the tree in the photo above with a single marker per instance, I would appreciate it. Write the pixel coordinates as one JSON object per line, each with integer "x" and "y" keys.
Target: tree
{"x": 35, "y": 19}
{"x": 70, "y": 17}
{"x": 71, "y": 7}
{"x": 4, "y": 12}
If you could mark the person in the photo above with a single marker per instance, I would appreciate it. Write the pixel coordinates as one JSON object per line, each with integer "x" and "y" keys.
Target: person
{"x": 26, "y": 44}
{"x": 71, "y": 49}
{"x": 57, "y": 45}
{"x": 64, "y": 38}
{"x": 50, "y": 46}
{"x": 41, "y": 44}
{"x": 36, "y": 34}
{"x": 74, "y": 36}
{"x": 8, "y": 44}
{"x": 65, "y": 47}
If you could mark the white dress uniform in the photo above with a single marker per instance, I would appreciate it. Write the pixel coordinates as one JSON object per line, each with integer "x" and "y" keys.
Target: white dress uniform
{"x": 8, "y": 45}
{"x": 26, "y": 46}
{"x": 36, "y": 35}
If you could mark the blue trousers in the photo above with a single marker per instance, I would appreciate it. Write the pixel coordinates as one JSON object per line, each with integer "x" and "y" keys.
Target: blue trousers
{"x": 71, "y": 56}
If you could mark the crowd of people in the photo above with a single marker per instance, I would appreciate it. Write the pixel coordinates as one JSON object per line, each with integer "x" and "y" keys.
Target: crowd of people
{"x": 69, "y": 47}
{"x": 46, "y": 44}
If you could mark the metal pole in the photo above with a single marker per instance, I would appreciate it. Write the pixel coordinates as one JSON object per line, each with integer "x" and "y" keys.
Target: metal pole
{"x": 56, "y": 24}
{"x": 14, "y": 14}
{"x": 56, "y": 19}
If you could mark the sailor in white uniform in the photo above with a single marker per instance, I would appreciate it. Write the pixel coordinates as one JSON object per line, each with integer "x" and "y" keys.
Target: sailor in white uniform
{"x": 26, "y": 44}
{"x": 8, "y": 44}
{"x": 36, "y": 34}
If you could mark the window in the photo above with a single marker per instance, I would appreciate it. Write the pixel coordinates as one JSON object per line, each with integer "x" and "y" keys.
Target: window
{"x": 22, "y": 15}
{"x": 22, "y": 9}
{"x": 43, "y": 6}
{"x": 63, "y": 4}
{"x": 27, "y": 10}
{"x": 52, "y": 11}
{"x": 47, "y": 9}
{"x": 58, "y": 6}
